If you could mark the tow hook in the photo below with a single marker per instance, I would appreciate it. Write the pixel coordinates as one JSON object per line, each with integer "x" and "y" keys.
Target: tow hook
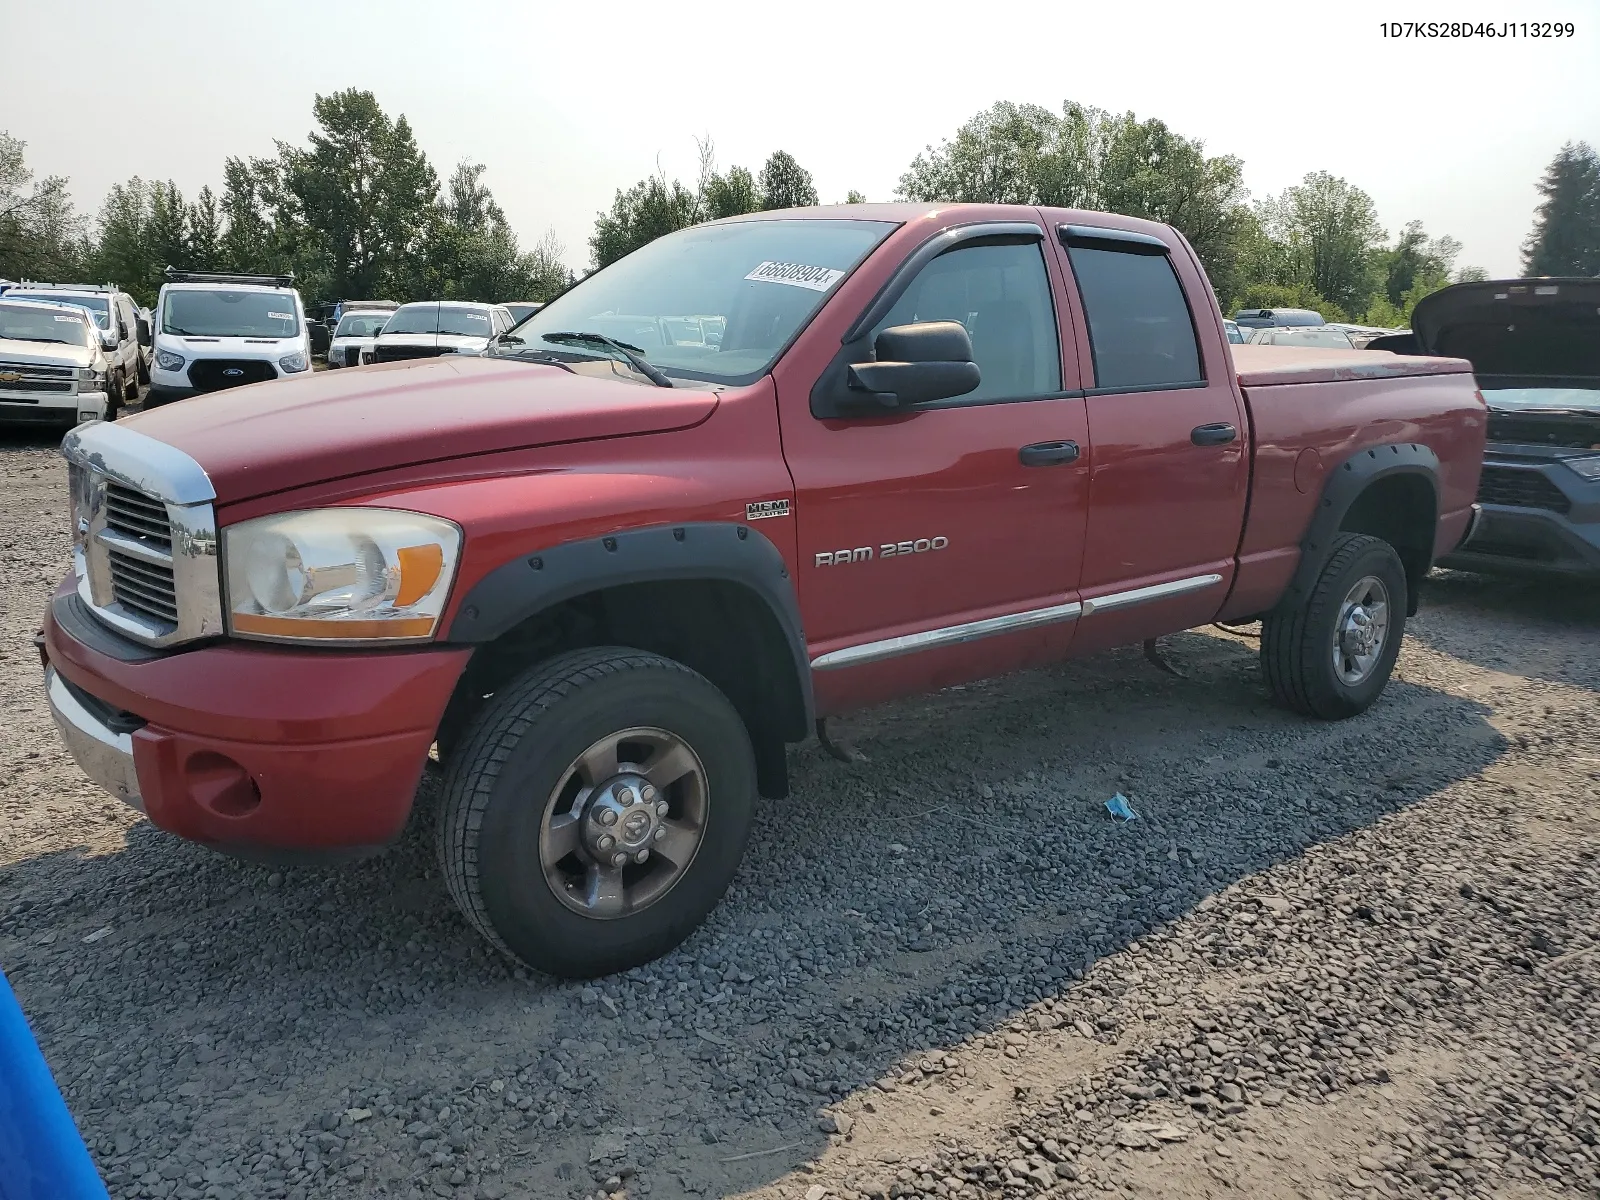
{"x": 38, "y": 644}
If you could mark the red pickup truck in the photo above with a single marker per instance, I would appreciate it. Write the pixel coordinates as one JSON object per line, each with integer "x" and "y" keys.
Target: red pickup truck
{"x": 906, "y": 446}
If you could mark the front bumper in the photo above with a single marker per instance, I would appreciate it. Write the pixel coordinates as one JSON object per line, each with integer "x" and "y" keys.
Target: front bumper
{"x": 260, "y": 750}
{"x": 1539, "y": 517}
{"x": 158, "y": 394}
{"x": 53, "y": 409}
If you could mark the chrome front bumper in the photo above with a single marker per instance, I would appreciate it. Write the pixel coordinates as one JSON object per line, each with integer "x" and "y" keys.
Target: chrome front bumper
{"x": 105, "y": 756}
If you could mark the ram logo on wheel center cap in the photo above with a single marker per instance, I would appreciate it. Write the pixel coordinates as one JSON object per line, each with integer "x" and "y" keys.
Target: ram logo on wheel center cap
{"x": 635, "y": 827}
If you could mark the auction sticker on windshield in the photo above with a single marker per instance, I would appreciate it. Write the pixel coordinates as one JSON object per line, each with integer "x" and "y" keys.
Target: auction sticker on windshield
{"x": 817, "y": 279}
{"x": 281, "y": 316}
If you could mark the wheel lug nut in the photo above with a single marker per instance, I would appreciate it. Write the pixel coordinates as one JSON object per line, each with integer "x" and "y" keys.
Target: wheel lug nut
{"x": 660, "y": 833}
{"x": 648, "y": 792}
{"x": 618, "y": 859}
{"x": 661, "y": 809}
{"x": 641, "y": 856}
{"x": 608, "y": 816}
{"x": 607, "y": 841}
{"x": 624, "y": 796}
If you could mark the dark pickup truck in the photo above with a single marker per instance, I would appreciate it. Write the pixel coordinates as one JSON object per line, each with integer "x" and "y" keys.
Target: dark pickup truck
{"x": 607, "y": 572}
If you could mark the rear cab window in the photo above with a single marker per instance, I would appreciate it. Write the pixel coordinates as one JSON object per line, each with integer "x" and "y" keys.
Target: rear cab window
{"x": 1141, "y": 332}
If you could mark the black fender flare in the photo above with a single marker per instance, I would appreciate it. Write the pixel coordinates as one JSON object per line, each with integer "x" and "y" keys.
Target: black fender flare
{"x": 716, "y": 550}
{"x": 1339, "y": 491}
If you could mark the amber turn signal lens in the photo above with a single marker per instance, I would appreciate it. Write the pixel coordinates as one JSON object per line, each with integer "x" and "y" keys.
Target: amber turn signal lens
{"x": 419, "y": 571}
{"x": 299, "y": 627}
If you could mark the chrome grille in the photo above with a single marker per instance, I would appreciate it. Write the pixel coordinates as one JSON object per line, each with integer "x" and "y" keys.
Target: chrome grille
{"x": 144, "y": 535}
{"x": 60, "y": 381}
{"x": 137, "y": 515}
{"x": 144, "y": 587}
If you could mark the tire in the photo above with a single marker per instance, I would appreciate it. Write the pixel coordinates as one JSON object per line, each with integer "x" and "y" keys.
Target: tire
{"x": 1298, "y": 648}
{"x": 519, "y": 770}
{"x": 144, "y": 372}
{"x": 116, "y": 397}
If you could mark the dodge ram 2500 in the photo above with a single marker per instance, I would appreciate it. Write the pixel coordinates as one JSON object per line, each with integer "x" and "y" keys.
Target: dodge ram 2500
{"x": 931, "y": 444}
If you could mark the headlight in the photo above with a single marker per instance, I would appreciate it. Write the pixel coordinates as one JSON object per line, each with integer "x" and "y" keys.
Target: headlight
{"x": 293, "y": 363}
{"x": 168, "y": 361}
{"x": 1589, "y": 467}
{"x": 91, "y": 377}
{"x": 342, "y": 574}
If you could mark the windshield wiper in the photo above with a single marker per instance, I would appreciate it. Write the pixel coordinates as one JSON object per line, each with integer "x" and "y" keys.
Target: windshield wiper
{"x": 633, "y": 354}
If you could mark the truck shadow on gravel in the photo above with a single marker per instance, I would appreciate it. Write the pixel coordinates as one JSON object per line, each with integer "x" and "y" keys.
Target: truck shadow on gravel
{"x": 1545, "y": 629}
{"x": 889, "y": 910}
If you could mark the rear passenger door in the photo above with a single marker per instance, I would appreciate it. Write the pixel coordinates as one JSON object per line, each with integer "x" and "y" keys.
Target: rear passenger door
{"x": 1169, "y": 467}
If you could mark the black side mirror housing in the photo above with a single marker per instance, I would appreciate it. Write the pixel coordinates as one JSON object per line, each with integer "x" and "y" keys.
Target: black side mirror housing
{"x": 319, "y": 337}
{"x": 142, "y": 330}
{"x": 930, "y": 360}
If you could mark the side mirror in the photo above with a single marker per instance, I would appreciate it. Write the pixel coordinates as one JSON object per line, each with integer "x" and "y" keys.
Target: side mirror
{"x": 931, "y": 360}
{"x": 142, "y": 330}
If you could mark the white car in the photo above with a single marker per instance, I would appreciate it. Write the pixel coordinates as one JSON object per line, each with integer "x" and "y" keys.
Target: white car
{"x": 430, "y": 328}
{"x": 116, "y": 321}
{"x": 355, "y": 334}
{"x": 53, "y": 370}
{"x": 221, "y": 331}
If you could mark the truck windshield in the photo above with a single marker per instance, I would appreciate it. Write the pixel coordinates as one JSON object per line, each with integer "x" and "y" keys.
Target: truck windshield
{"x": 714, "y": 302}
{"x": 229, "y": 314}
{"x": 27, "y": 323}
{"x": 433, "y": 317}
{"x": 361, "y": 324}
{"x": 99, "y": 306}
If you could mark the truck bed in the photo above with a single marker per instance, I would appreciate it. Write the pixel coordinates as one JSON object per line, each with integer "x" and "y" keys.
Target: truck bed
{"x": 1259, "y": 365}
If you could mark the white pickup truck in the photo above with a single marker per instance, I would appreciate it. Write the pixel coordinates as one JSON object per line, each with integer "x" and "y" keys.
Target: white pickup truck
{"x": 53, "y": 370}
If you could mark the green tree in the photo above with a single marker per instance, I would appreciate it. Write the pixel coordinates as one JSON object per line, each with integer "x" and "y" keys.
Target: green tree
{"x": 1328, "y": 238}
{"x": 41, "y": 234}
{"x": 1414, "y": 257}
{"x": 1088, "y": 158}
{"x": 785, "y": 183}
{"x": 1287, "y": 295}
{"x": 855, "y": 197}
{"x": 124, "y": 252}
{"x": 249, "y": 241}
{"x": 360, "y": 198}
{"x": 730, "y": 195}
{"x": 650, "y": 208}
{"x": 205, "y": 232}
{"x": 1566, "y": 229}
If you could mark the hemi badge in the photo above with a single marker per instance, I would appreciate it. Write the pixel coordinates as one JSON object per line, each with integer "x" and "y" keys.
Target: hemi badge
{"x": 759, "y": 510}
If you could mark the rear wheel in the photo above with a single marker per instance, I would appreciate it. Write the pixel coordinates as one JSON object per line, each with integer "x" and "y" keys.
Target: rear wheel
{"x": 116, "y": 397}
{"x": 596, "y": 810}
{"x": 1332, "y": 657}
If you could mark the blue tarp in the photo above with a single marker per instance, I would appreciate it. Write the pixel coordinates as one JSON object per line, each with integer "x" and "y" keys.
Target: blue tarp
{"x": 42, "y": 1156}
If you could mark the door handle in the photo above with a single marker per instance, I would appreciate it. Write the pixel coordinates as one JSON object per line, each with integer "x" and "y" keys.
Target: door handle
{"x": 1219, "y": 434}
{"x": 1048, "y": 454}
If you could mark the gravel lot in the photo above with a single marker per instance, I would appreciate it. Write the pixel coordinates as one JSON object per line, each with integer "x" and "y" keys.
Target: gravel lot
{"x": 1326, "y": 960}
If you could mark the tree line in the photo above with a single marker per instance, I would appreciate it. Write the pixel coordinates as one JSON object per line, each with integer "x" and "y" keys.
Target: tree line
{"x": 358, "y": 211}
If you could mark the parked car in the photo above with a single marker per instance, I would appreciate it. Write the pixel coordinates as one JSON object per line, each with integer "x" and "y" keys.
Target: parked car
{"x": 117, "y": 325}
{"x": 430, "y": 328}
{"x": 357, "y": 330}
{"x": 1535, "y": 347}
{"x": 1360, "y": 335}
{"x": 1235, "y": 334}
{"x": 1302, "y": 335}
{"x": 53, "y": 367}
{"x": 521, "y": 310}
{"x": 1264, "y": 318}
{"x": 215, "y": 332}
{"x": 609, "y": 608}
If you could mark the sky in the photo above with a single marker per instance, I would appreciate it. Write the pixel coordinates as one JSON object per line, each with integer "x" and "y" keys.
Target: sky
{"x": 566, "y": 103}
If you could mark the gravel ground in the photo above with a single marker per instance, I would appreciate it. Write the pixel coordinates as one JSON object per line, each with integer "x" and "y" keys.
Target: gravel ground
{"x": 1326, "y": 960}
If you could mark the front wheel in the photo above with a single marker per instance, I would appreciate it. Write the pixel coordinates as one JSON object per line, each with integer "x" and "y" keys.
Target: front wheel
{"x": 596, "y": 810}
{"x": 116, "y": 397}
{"x": 1332, "y": 657}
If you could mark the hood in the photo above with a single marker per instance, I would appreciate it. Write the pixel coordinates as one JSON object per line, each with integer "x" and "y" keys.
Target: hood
{"x": 268, "y": 437}
{"x": 1516, "y": 332}
{"x": 48, "y": 354}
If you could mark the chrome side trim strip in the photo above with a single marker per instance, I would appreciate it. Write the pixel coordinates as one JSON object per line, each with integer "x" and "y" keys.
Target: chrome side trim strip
{"x": 950, "y": 635}
{"x": 1158, "y": 591}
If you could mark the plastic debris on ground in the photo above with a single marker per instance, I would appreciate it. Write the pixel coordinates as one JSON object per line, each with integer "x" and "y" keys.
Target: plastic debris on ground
{"x": 1119, "y": 808}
